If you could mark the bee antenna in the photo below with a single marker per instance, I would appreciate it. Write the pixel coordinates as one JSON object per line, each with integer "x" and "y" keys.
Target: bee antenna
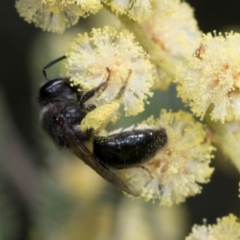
{"x": 49, "y": 65}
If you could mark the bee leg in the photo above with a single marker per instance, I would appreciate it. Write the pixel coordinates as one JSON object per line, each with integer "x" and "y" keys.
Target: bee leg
{"x": 90, "y": 107}
{"x": 89, "y": 94}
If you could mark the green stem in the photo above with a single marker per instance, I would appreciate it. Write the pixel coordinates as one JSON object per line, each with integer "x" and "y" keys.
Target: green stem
{"x": 225, "y": 141}
{"x": 157, "y": 55}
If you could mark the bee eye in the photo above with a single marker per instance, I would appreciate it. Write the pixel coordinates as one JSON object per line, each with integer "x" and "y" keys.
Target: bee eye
{"x": 55, "y": 119}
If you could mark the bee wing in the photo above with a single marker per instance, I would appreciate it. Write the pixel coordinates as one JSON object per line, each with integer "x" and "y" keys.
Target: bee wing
{"x": 91, "y": 160}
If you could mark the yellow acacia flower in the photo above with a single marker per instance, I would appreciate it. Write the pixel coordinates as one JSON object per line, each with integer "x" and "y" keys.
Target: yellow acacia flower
{"x": 211, "y": 77}
{"x": 113, "y": 60}
{"x": 176, "y": 170}
{"x": 138, "y": 10}
{"x": 174, "y": 29}
{"x": 226, "y": 228}
{"x": 72, "y": 174}
{"x": 56, "y": 15}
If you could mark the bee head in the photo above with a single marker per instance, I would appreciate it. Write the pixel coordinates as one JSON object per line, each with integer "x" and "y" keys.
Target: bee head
{"x": 55, "y": 90}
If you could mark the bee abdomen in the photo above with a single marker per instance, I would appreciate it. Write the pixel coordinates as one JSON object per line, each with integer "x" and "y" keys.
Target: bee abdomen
{"x": 130, "y": 148}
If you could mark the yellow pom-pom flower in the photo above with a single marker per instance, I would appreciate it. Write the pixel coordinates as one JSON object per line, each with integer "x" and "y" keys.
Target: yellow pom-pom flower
{"x": 211, "y": 77}
{"x": 226, "y": 228}
{"x": 173, "y": 28}
{"x": 114, "y": 62}
{"x": 176, "y": 170}
{"x": 138, "y": 10}
{"x": 55, "y": 15}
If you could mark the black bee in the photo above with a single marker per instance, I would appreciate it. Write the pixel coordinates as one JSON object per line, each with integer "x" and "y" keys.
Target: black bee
{"x": 63, "y": 109}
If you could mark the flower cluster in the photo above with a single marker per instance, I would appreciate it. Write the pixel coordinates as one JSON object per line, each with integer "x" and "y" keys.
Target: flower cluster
{"x": 160, "y": 43}
{"x": 175, "y": 171}
{"x": 113, "y": 62}
{"x": 56, "y": 15}
{"x": 211, "y": 77}
{"x": 173, "y": 28}
{"x": 226, "y": 228}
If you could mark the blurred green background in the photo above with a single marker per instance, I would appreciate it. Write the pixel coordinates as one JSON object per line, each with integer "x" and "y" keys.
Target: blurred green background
{"x": 48, "y": 194}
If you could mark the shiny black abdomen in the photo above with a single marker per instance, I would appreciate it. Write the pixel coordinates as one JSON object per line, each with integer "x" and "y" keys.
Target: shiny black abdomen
{"x": 130, "y": 148}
